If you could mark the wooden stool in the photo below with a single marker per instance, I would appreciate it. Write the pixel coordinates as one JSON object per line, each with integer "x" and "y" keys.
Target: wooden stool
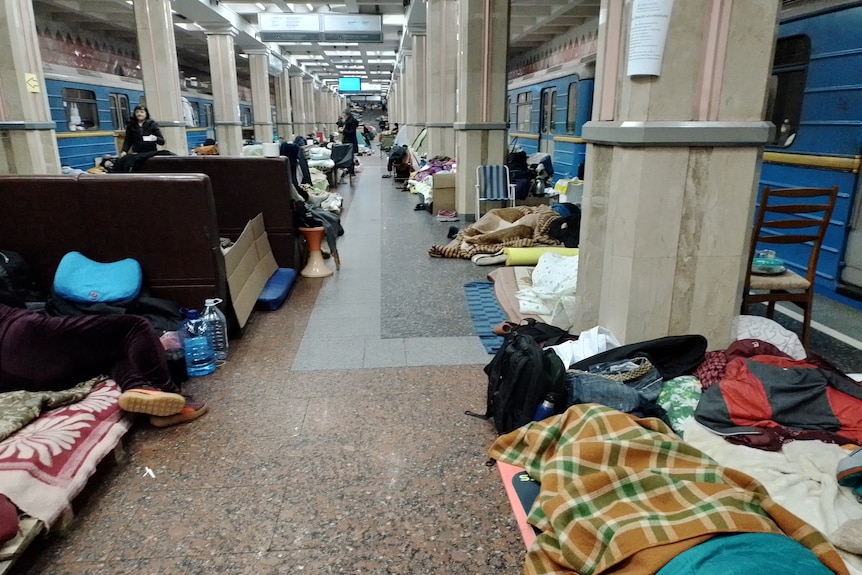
{"x": 316, "y": 267}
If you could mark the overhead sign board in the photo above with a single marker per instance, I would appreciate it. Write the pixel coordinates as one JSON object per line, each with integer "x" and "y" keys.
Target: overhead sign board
{"x": 320, "y": 27}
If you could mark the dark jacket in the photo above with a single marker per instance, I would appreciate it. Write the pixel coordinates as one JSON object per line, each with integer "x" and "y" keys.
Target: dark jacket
{"x": 135, "y": 137}
{"x": 349, "y": 131}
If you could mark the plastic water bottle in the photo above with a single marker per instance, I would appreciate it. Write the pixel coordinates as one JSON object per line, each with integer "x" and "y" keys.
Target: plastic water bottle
{"x": 218, "y": 324}
{"x": 545, "y": 409}
{"x": 196, "y": 336}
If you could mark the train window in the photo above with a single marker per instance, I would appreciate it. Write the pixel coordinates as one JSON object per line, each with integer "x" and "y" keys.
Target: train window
{"x": 245, "y": 116}
{"x": 525, "y": 108}
{"x": 208, "y": 115}
{"x": 82, "y": 113}
{"x": 787, "y": 87}
{"x": 119, "y": 110}
{"x": 572, "y": 109}
{"x": 508, "y": 112}
{"x": 549, "y": 110}
{"x": 196, "y": 113}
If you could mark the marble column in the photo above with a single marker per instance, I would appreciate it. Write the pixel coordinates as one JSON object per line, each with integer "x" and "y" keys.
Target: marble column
{"x": 222, "y": 56}
{"x": 407, "y": 107}
{"x": 283, "y": 107}
{"x": 449, "y": 74}
{"x": 297, "y": 93}
{"x": 434, "y": 120}
{"x": 419, "y": 91}
{"x": 258, "y": 64}
{"x": 310, "y": 108}
{"x": 156, "y": 43}
{"x": 672, "y": 170}
{"x": 28, "y": 138}
{"x": 480, "y": 129}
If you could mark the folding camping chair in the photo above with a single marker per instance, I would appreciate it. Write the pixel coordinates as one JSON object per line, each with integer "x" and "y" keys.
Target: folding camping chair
{"x": 786, "y": 217}
{"x": 492, "y": 184}
{"x": 342, "y": 156}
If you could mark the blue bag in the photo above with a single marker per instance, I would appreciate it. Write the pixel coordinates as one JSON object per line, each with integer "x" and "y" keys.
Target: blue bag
{"x": 80, "y": 279}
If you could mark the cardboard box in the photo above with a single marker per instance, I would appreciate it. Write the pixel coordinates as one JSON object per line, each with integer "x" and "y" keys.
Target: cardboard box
{"x": 443, "y": 195}
{"x": 249, "y": 264}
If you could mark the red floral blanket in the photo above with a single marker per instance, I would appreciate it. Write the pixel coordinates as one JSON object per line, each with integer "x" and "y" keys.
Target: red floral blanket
{"x": 44, "y": 465}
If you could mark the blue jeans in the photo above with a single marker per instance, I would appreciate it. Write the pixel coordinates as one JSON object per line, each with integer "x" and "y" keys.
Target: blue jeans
{"x": 594, "y": 386}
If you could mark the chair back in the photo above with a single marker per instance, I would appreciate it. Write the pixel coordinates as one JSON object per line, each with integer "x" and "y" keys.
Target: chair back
{"x": 794, "y": 216}
{"x": 493, "y": 182}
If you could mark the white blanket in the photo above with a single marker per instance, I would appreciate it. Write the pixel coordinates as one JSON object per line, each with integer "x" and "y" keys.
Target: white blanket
{"x": 552, "y": 293}
{"x": 801, "y": 477}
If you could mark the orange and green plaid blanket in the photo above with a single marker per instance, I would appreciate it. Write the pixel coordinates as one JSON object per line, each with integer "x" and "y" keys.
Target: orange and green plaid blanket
{"x": 624, "y": 495}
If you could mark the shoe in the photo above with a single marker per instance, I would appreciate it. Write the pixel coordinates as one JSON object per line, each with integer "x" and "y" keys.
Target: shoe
{"x": 387, "y": 175}
{"x": 192, "y": 410}
{"x": 453, "y": 231}
{"x": 418, "y": 207}
{"x": 151, "y": 402}
{"x": 850, "y": 470}
{"x": 447, "y": 216}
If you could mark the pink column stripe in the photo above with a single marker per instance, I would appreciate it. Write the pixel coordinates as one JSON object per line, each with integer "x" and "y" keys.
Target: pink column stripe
{"x": 716, "y": 30}
{"x": 614, "y": 28}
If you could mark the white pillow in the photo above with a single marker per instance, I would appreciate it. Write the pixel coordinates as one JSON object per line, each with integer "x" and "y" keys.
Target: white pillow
{"x": 765, "y": 329}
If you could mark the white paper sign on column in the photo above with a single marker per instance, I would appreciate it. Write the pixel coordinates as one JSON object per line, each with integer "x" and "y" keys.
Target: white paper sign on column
{"x": 650, "y": 19}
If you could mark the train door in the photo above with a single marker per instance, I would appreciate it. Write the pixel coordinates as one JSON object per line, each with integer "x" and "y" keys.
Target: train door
{"x": 547, "y": 120}
{"x": 851, "y": 273}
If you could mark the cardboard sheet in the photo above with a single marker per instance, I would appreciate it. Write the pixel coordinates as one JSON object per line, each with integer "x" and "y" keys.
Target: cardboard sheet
{"x": 249, "y": 264}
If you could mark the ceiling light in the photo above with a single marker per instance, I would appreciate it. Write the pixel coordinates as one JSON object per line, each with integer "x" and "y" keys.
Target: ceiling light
{"x": 260, "y": 6}
{"x": 310, "y": 7}
{"x": 243, "y": 55}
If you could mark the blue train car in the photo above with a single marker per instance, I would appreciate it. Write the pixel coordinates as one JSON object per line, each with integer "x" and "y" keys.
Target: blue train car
{"x": 91, "y": 109}
{"x": 546, "y": 112}
{"x": 815, "y": 102}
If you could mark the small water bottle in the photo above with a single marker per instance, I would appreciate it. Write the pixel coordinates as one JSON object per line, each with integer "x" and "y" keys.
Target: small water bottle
{"x": 546, "y": 409}
{"x": 218, "y": 325}
{"x": 196, "y": 336}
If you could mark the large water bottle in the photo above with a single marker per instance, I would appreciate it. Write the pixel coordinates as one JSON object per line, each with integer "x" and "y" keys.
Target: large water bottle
{"x": 218, "y": 325}
{"x": 196, "y": 335}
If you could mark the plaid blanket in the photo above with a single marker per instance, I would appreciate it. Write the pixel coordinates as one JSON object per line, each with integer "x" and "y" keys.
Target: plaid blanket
{"x": 625, "y": 495}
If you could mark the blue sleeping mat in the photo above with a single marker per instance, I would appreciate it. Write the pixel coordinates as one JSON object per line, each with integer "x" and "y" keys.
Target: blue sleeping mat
{"x": 276, "y": 289}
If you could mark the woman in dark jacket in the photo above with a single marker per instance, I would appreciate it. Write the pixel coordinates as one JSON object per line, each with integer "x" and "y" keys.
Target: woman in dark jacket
{"x": 348, "y": 132}
{"x": 142, "y": 133}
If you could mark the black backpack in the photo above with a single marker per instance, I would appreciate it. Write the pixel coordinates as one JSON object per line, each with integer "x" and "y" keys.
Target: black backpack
{"x": 521, "y": 376}
{"x": 15, "y": 275}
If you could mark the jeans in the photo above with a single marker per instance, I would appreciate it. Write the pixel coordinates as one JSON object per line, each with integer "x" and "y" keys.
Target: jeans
{"x": 597, "y": 385}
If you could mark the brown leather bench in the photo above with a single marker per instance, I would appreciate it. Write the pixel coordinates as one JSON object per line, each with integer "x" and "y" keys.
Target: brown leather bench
{"x": 243, "y": 187}
{"x": 167, "y": 223}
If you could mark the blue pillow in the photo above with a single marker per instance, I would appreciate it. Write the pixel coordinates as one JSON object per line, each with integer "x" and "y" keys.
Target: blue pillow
{"x": 80, "y": 279}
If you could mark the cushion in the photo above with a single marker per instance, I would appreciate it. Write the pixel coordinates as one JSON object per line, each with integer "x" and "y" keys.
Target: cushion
{"x": 765, "y": 329}
{"x": 276, "y": 289}
{"x": 80, "y": 279}
{"x": 783, "y": 281}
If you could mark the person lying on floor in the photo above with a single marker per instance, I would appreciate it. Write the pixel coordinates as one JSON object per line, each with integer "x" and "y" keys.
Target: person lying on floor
{"x": 45, "y": 353}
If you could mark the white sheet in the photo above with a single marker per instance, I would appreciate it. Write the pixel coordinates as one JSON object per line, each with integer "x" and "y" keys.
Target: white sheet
{"x": 552, "y": 293}
{"x": 801, "y": 477}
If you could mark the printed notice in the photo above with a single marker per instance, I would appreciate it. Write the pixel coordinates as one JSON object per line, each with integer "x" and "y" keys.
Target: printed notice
{"x": 650, "y": 19}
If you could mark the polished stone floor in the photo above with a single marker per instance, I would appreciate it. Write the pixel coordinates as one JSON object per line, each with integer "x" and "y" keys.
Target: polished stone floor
{"x": 337, "y": 440}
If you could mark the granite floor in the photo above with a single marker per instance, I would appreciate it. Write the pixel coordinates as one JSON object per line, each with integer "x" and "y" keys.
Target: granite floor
{"x": 337, "y": 440}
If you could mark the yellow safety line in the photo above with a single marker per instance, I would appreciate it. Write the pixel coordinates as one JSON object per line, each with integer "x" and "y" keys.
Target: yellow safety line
{"x": 570, "y": 139}
{"x": 524, "y": 136}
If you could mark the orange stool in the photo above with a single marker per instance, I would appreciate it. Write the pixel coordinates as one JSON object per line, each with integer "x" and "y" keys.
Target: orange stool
{"x": 316, "y": 267}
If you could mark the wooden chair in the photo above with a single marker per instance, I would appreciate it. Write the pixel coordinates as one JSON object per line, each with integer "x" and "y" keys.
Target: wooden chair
{"x": 786, "y": 217}
{"x": 493, "y": 184}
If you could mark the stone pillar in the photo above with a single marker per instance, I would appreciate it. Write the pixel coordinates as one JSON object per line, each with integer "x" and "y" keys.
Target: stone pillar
{"x": 258, "y": 64}
{"x": 392, "y": 105}
{"x": 672, "y": 172}
{"x": 434, "y": 120}
{"x": 156, "y": 43}
{"x": 419, "y": 92}
{"x": 449, "y": 75}
{"x": 283, "y": 107}
{"x": 225, "y": 92}
{"x": 28, "y": 138}
{"x": 310, "y": 109}
{"x": 480, "y": 130}
{"x": 407, "y": 108}
{"x": 297, "y": 93}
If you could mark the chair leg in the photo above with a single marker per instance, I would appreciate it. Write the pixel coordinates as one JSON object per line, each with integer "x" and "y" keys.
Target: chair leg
{"x": 806, "y": 322}
{"x": 770, "y": 309}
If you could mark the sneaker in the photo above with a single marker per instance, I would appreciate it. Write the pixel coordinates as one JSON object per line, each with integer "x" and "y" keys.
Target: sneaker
{"x": 151, "y": 402}
{"x": 447, "y": 216}
{"x": 192, "y": 410}
{"x": 850, "y": 470}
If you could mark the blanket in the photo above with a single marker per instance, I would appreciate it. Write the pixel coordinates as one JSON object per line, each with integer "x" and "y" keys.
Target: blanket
{"x": 18, "y": 408}
{"x": 800, "y": 477}
{"x": 626, "y": 495}
{"x": 46, "y": 464}
{"x": 520, "y": 226}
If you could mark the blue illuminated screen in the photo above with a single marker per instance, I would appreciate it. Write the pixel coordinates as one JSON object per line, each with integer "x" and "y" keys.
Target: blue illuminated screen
{"x": 349, "y": 85}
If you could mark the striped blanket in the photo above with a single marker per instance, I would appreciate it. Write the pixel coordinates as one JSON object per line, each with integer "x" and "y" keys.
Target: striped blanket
{"x": 625, "y": 495}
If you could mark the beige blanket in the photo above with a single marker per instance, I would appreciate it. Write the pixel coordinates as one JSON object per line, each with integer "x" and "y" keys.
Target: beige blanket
{"x": 518, "y": 227}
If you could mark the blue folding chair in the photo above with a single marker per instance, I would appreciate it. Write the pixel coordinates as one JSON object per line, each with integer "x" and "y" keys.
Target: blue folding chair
{"x": 492, "y": 184}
